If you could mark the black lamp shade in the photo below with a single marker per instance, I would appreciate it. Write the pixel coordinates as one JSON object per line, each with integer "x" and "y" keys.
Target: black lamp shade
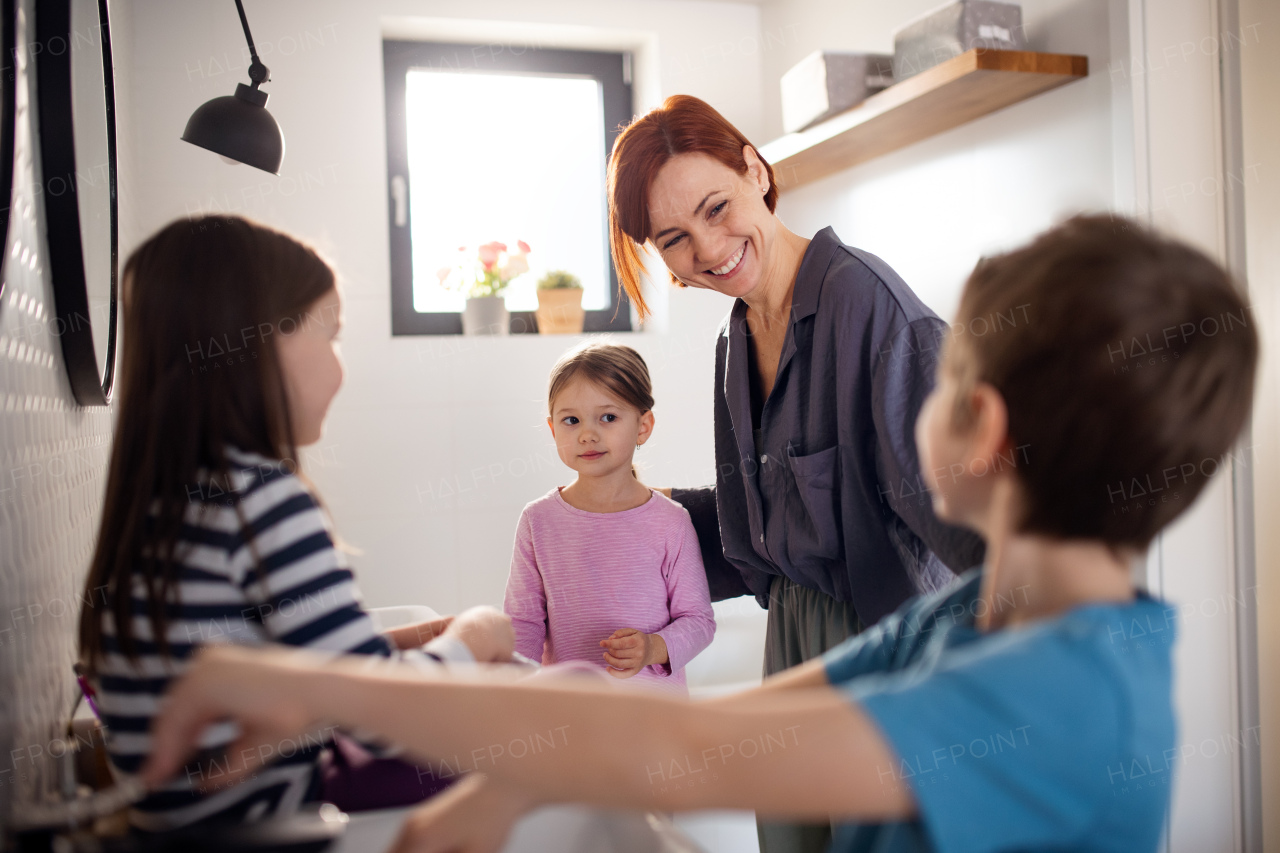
{"x": 239, "y": 127}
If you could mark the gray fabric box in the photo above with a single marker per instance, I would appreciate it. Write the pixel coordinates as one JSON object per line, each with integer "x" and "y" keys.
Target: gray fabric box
{"x": 827, "y": 82}
{"x": 955, "y": 29}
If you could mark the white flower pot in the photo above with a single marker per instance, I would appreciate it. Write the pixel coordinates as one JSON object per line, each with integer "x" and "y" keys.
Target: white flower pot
{"x": 486, "y": 315}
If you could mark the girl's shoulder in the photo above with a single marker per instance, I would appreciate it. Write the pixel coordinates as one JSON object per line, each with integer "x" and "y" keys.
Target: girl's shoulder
{"x": 552, "y": 507}
{"x": 257, "y": 483}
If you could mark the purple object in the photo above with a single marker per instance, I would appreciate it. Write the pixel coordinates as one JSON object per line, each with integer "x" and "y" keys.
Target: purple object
{"x": 355, "y": 781}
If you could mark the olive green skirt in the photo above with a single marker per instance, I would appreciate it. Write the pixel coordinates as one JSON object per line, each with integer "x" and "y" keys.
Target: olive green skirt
{"x": 803, "y": 623}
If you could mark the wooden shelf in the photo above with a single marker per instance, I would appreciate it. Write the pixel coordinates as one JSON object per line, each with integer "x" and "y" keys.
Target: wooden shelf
{"x": 961, "y": 89}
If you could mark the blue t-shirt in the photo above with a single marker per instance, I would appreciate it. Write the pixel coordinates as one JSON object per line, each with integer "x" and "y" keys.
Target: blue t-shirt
{"x": 1059, "y": 735}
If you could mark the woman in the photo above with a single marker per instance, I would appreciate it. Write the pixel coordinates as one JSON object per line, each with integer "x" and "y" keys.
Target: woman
{"x": 818, "y": 509}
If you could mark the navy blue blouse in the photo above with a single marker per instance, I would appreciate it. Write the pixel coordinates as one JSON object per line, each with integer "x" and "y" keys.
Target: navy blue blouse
{"x": 829, "y": 491}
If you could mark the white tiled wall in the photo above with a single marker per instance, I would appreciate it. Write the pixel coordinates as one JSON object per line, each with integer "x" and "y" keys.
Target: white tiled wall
{"x": 52, "y": 466}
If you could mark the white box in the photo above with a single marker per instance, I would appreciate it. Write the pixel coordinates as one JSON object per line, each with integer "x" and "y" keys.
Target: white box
{"x": 828, "y": 82}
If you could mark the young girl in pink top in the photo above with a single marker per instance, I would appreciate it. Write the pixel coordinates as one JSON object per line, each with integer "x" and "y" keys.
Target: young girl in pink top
{"x": 607, "y": 570}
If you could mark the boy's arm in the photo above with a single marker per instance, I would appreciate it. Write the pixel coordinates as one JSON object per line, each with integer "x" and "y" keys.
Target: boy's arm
{"x": 525, "y": 600}
{"x": 801, "y": 754}
{"x": 871, "y": 651}
{"x": 812, "y": 673}
{"x": 693, "y": 621}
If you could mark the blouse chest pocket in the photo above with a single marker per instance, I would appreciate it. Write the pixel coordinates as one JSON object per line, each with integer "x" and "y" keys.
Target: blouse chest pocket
{"x": 813, "y": 509}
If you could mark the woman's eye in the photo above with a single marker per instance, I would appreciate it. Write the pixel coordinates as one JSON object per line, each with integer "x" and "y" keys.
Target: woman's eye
{"x": 672, "y": 242}
{"x": 715, "y": 211}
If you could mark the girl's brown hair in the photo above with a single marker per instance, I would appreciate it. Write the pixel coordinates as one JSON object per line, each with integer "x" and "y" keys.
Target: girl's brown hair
{"x": 618, "y": 369}
{"x": 682, "y": 125}
{"x": 203, "y": 302}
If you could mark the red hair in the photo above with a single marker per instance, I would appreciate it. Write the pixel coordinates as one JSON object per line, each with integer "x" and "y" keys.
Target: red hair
{"x": 682, "y": 125}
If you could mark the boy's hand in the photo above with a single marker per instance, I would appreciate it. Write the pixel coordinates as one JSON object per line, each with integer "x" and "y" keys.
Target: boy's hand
{"x": 255, "y": 687}
{"x": 487, "y": 632}
{"x": 474, "y": 816}
{"x": 627, "y": 651}
{"x": 418, "y": 634}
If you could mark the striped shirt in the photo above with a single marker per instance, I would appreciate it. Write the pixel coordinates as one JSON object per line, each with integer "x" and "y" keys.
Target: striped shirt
{"x": 286, "y": 583}
{"x": 578, "y": 576}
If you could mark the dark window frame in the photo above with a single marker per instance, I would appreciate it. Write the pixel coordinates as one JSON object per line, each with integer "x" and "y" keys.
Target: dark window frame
{"x": 610, "y": 69}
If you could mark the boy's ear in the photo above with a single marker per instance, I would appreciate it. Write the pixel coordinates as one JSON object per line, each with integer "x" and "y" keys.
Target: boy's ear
{"x": 551, "y": 426}
{"x": 990, "y": 433}
{"x": 646, "y": 427}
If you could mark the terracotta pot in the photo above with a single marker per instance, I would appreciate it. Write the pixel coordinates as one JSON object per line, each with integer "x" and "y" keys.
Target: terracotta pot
{"x": 560, "y": 311}
{"x": 486, "y": 315}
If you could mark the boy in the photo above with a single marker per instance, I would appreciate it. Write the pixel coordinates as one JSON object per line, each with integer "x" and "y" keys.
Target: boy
{"x": 991, "y": 716}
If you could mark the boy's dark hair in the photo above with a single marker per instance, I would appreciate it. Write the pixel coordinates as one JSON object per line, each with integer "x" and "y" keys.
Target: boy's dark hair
{"x": 1127, "y": 363}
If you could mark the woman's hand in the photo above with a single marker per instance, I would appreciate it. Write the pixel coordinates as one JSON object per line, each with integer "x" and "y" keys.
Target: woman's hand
{"x": 418, "y": 634}
{"x": 487, "y": 632}
{"x": 474, "y": 816}
{"x": 263, "y": 690}
{"x": 629, "y": 651}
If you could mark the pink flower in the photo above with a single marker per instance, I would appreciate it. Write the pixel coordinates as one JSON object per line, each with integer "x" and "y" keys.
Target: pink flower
{"x": 516, "y": 265}
{"x": 524, "y": 247}
{"x": 489, "y": 254}
{"x": 443, "y": 273}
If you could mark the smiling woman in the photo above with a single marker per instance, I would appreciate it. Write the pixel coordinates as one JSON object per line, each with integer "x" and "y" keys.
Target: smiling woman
{"x": 821, "y": 369}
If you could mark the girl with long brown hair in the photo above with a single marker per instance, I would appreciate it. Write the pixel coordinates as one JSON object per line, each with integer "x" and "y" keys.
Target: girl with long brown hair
{"x": 210, "y": 533}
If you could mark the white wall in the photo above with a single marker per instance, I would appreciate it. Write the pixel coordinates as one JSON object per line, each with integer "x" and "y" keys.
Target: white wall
{"x": 53, "y": 458}
{"x": 434, "y": 444}
{"x": 1260, "y": 64}
{"x": 932, "y": 209}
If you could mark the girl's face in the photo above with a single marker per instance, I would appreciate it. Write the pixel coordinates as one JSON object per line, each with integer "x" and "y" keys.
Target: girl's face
{"x": 311, "y": 364}
{"x": 711, "y": 225}
{"x": 596, "y": 434}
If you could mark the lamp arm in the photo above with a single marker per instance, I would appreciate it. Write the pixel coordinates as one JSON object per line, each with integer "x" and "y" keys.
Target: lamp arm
{"x": 258, "y": 72}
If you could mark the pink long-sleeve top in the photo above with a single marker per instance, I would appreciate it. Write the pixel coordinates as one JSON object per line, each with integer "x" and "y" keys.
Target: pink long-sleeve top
{"x": 578, "y": 576}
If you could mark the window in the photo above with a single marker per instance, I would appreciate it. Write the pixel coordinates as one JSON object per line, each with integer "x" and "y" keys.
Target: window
{"x": 488, "y": 144}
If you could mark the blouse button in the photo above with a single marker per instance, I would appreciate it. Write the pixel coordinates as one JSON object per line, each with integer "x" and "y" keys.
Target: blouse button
{"x": 764, "y": 458}
{"x": 762, "y": 537}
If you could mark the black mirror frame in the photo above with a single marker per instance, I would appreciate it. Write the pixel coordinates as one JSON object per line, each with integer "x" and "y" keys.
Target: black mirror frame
{"x": 8, "y": 114}
{"x": 90, "y": 384}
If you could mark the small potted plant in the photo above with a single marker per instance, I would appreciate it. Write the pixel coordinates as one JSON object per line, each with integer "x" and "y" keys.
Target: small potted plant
{"x": 483, "y": 282}
{"x": 559, "y": 304}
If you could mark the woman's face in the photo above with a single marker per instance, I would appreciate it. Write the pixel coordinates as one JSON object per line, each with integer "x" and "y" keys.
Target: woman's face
{"x": 710, "y": 224}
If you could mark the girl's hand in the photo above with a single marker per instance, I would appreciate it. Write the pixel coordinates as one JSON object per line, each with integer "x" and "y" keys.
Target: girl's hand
{"x": 474, "y": 816}
{"x": 418, "y": 634}
{"x": 487, "y": 632}
{"x": 628, "y": 651}
{"x": 259, "y": 688}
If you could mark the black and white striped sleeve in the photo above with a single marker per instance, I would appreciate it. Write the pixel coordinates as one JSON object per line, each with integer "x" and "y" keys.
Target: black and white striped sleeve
{"x": 296, "y": 580}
